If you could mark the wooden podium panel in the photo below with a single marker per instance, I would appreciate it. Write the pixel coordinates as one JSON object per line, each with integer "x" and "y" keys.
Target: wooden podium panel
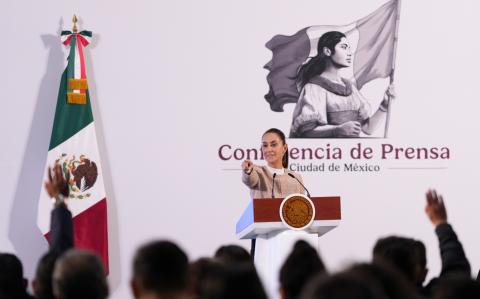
{"x": 262, "y": 216}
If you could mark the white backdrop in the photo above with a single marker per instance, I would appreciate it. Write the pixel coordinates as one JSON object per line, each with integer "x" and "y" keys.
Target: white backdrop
{"x": 172, "y": 81}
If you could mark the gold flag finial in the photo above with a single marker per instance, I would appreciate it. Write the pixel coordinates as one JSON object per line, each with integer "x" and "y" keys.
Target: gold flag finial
{"x": 74, "y": 20}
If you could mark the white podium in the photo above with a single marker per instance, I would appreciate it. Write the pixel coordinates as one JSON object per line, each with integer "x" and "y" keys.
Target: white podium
{"x": 262, "y": 221}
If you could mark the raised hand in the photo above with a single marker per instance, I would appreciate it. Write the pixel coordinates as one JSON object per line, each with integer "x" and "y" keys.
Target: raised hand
{"x": 435, "y": 208}
{"x": 57, "y": 184}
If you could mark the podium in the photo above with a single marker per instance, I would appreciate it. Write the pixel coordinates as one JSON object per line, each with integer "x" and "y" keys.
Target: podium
{"x": 262, "y": 221}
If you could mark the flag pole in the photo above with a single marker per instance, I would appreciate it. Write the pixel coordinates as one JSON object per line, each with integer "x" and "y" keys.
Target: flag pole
{"x": 392, "y": 74}
{"x": 74, "y": 20}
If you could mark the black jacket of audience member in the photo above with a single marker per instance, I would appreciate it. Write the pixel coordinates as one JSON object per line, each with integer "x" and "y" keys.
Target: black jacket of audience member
{"x": 454, "y": 260}
{"x": 61, "y": 240}
{"x": 61, "y": 229}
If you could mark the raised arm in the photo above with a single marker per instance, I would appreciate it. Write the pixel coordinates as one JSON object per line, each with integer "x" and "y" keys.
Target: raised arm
{"x": 451, "y": 250}
{"x": 61, "y": 225}
{"x": 249, "y": 175}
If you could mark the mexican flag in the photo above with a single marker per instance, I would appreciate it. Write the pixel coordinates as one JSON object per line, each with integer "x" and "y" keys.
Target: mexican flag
{"x": 372, "y": 41}
{"x": 73, "y": 144}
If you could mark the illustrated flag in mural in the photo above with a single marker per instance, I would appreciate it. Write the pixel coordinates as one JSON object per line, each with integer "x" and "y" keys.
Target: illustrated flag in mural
{"x": 372, "y": 40}
{"x": 73, "y": 144}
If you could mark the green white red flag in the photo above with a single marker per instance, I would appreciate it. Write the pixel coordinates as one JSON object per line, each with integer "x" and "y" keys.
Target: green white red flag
{"x": 73, "y": 144}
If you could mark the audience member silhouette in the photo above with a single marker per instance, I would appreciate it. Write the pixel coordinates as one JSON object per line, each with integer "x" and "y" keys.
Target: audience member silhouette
{"x": 42, "y": 283}
{"x": 400, "y": 253}
{"x": 12, "y": 282}
{"x": 234, "y": 281}
{"x": 392, "y": 283}
{"x": 421, "y": 269}
{"x": 78, "y": 275}
{"x": 408, "y": 256}
{"x": 232, "y": 253}
{"x": 61, "y": 232}
{"x": 160, "y": 270}
{"x": 343, "y": 285}
{"x": 455, "y": 287}
{"x": 301, "y": 265}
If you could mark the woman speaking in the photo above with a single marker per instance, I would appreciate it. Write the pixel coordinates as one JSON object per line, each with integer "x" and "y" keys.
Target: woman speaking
{"x": 273, "y": 180}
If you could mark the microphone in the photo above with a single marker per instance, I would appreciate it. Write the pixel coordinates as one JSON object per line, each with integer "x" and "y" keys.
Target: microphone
{"x": 292, "y": 176}
{"x": 273, "y": 187}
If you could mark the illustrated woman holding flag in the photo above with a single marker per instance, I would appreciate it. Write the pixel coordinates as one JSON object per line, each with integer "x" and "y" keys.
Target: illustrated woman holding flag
{"x": 330, "y": 106}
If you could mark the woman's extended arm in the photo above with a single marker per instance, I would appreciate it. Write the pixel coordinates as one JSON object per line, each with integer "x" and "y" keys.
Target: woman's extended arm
{"x": 249, "y": 175}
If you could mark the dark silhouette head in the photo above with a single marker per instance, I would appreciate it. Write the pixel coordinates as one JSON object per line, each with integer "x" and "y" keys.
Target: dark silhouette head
{"x": 161, "y": 268}
{"x": 232, "y": 254}
{"x": 42, "y": 284}
{"x": 234, "y": 281}
{"x": 341, "y": 285}
{"x": 301, "y": 265}
{"x": 12, "y": 283}
{"x": 421, "y": 269}
{"x": 399, "y": 252}
{"x": 200, "y": 272}
{"x": 390, "y": 282}
{"x": 79, "y": 274}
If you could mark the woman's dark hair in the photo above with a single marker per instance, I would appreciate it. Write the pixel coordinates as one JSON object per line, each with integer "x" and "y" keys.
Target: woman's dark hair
{"x": 282, "y": 137}
{"x": 317, "y": 64}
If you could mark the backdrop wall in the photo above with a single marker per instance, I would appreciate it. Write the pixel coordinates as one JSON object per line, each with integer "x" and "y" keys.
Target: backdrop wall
{"x": 171, "y": 82}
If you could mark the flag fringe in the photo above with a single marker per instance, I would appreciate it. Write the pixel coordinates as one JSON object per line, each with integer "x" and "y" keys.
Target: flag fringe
{"x": 77, "y": 84}
{"x": 76, "y": 98}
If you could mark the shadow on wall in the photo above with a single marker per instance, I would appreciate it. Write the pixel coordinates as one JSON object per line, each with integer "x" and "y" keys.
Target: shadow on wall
{"x": 23, "y": 232}
{"x": 114, "y": 277}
